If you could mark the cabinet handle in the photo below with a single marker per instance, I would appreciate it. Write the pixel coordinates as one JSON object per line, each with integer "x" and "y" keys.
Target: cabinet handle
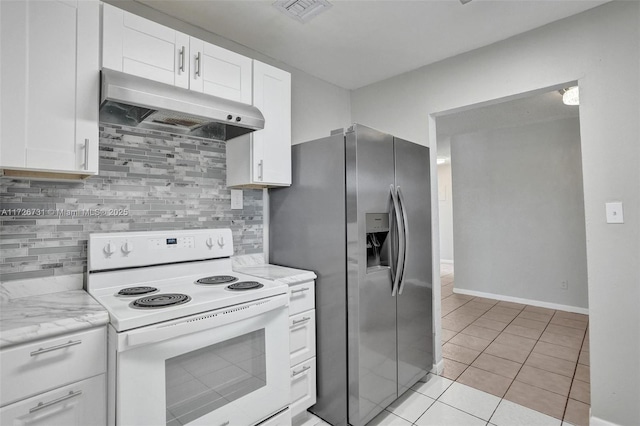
{"x": 305, "y": 368}
{"x": 86, "y": 154}
{"x": 300, "y": 321}
{"x": 300, "y": 290}
{"x": 260, "y": 164}
{"x": 198, "y": 61}
{"x": 181, "y": 59}
{"x": 42, "y": 405}
{"x": 55, "y": 348}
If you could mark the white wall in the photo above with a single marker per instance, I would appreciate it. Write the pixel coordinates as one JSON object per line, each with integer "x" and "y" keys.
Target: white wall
{"x": 599, "y": 48}
{"x": 317, "y": 107}
{"x": 518, "y": 205}
{"x": 445, "y": 204}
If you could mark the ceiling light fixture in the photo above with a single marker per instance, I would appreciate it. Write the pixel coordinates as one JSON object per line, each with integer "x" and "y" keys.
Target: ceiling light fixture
{"x": 571, "y": 96}
{"x": 302, "y": 10}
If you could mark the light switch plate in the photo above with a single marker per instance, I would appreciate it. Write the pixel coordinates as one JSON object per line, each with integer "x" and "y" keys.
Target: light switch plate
{"x": 236, "y": 199}
{"x": 614, "y": 212}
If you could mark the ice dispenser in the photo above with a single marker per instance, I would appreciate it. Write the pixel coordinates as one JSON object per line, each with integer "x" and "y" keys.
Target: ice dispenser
{"x": 377, "y": 229}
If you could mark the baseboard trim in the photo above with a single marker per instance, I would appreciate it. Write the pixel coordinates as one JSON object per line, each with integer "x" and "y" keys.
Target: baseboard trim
{"x": 594, "y": 421}
{"x": 438, "y": 368}
{"x": 538, "y": 303}
{"x": 449, "y": 261}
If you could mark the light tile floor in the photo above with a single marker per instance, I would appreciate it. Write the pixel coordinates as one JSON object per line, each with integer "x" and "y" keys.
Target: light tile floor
{"x": 506, "y": 364}
{"x": 531, "y": 356}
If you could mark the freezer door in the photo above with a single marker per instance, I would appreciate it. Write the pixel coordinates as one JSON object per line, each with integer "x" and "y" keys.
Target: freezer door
{"x": 308, "y": 231}
{"x": 372, "y": 308}
{"x": 415, "y": 353}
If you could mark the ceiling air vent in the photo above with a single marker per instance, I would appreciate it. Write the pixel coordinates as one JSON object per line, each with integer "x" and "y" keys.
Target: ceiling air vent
{"x": 302, "y": 10}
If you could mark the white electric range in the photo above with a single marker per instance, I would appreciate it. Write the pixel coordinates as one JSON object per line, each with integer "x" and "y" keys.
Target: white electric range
{"x": 191, "y": 341}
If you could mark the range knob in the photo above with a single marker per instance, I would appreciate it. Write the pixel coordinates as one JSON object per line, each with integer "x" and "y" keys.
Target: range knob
{"x": 127, "y": 248}
{"x": 221, "y": 241}
{"x": 109, "y": 249}
{"x": 209, "y": 242}
{"x": 229, "y": 117}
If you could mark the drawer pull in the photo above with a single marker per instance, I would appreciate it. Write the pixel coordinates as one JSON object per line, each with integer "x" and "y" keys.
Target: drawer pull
{"x": 42, "y": 405}
{"x": 55, "y": 348}
{"x": 301, "y": 320}
{"x": 305, "y": 368}
{"x": 300, "y": 290}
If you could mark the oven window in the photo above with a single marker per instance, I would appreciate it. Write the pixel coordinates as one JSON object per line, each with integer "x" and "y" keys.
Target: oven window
{"x": 199, "y": 382}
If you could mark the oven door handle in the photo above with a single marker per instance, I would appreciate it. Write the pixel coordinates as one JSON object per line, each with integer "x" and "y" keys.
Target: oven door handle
{"x": 204, "y": 321}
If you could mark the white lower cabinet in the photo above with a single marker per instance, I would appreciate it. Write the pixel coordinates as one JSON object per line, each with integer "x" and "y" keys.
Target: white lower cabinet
{"x": 302, "y": 346}
{"x": 55, "y": 381}
{"x": 303, "y": 386}
{"x": 78, "y": 404}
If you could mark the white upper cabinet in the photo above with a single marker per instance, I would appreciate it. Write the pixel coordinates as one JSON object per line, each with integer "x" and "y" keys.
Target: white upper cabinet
{"x": 49, "y": 80}
{"x": 220, "y": 72}
{"x": 272, "y": 145}
{"x": 137, "y": 46}
{"x": 263, "y": 158}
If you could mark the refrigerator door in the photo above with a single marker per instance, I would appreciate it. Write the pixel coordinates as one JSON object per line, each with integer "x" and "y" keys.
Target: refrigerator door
{"x": 414, "y": 319}
{"x": 371, "y": 307}
{"x": 308, "y": 231}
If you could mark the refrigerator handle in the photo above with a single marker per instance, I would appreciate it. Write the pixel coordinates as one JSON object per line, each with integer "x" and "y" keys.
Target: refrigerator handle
{"x": 398, "y": 272}
{"x": 405, "y": 232}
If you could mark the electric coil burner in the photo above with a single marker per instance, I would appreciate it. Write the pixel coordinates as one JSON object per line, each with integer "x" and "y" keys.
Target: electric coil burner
{"x": 217, "y": 279}
{"x": 160, "y": 301}
{"x": 137, "y": 291}
{"x": 245, "y": 285}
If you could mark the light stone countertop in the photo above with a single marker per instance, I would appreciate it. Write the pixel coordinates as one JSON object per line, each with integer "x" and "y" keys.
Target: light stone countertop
{"x": 254, "y": 265}
{"x": 25, "y": 319}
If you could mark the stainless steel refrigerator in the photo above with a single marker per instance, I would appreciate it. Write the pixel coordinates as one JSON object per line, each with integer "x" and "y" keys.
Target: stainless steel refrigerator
{"x": 358, "y": 213}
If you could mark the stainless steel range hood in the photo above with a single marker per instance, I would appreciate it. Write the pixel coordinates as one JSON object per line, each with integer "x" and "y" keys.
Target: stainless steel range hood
{"x": 135, "y": 101}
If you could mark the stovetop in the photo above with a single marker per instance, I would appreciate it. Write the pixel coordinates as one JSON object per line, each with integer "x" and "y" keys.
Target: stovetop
{"x": 124, "y": 316}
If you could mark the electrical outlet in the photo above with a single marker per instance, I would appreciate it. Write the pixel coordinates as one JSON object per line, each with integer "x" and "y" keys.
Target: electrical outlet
{"x": 236, "y": 199}
{"x": 564, "y": 285}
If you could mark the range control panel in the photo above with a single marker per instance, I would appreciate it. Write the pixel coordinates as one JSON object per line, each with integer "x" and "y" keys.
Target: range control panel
{"x": 129, "y": 249}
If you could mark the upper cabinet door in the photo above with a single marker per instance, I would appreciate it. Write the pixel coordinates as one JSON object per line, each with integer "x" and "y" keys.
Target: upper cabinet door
{"x": 49, "y": 79}
{"x": 141, "y": 47}
{"x": 220, "y": 72}
{"x": 272, "y": 145}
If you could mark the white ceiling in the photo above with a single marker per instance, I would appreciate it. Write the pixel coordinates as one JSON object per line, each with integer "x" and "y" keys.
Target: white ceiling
{"x": 357, "y": 42}
{"x": 519, "y": 112}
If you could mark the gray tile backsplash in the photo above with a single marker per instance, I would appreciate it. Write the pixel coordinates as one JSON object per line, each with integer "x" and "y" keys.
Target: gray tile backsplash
{"x": 148, "y": 181}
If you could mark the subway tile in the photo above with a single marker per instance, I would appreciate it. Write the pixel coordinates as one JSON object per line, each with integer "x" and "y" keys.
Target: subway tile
{"x": 507, "y": 352}
{"x": 581, "y": 391}
{"x": 538, "y": 399}
{"x": 485, "y": 381}
{"x": 557, "y": 351}
{"x": 459, "y": 353}
{"x": 545, "y": 380}
{"x": 577, "y": 413}
{"x": 497, "y": 365}
{"x": 583, "y": 373}
{"x": 553, "y": 364}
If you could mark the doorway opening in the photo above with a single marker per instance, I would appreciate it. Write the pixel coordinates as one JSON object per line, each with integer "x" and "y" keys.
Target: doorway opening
{"x": 513, "y": 252}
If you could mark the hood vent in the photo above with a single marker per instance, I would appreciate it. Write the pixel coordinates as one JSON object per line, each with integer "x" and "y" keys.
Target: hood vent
{"x": 135, "y": 101}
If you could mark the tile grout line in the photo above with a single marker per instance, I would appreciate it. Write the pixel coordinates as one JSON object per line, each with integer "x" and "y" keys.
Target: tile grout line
{"x": 564, "y": 413}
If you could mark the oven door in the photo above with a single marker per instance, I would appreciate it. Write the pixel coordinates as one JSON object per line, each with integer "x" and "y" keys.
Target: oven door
{"x": 225, "y": 367}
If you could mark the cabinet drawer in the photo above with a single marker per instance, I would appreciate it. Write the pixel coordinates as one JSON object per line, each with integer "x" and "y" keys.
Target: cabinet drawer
{"x": 301, "y": 297}
{"x": 79, "y": 404}
{"x": 302, "y": 336}
{"x": 303, "y": 386}
{"x": 33, "y": 368}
